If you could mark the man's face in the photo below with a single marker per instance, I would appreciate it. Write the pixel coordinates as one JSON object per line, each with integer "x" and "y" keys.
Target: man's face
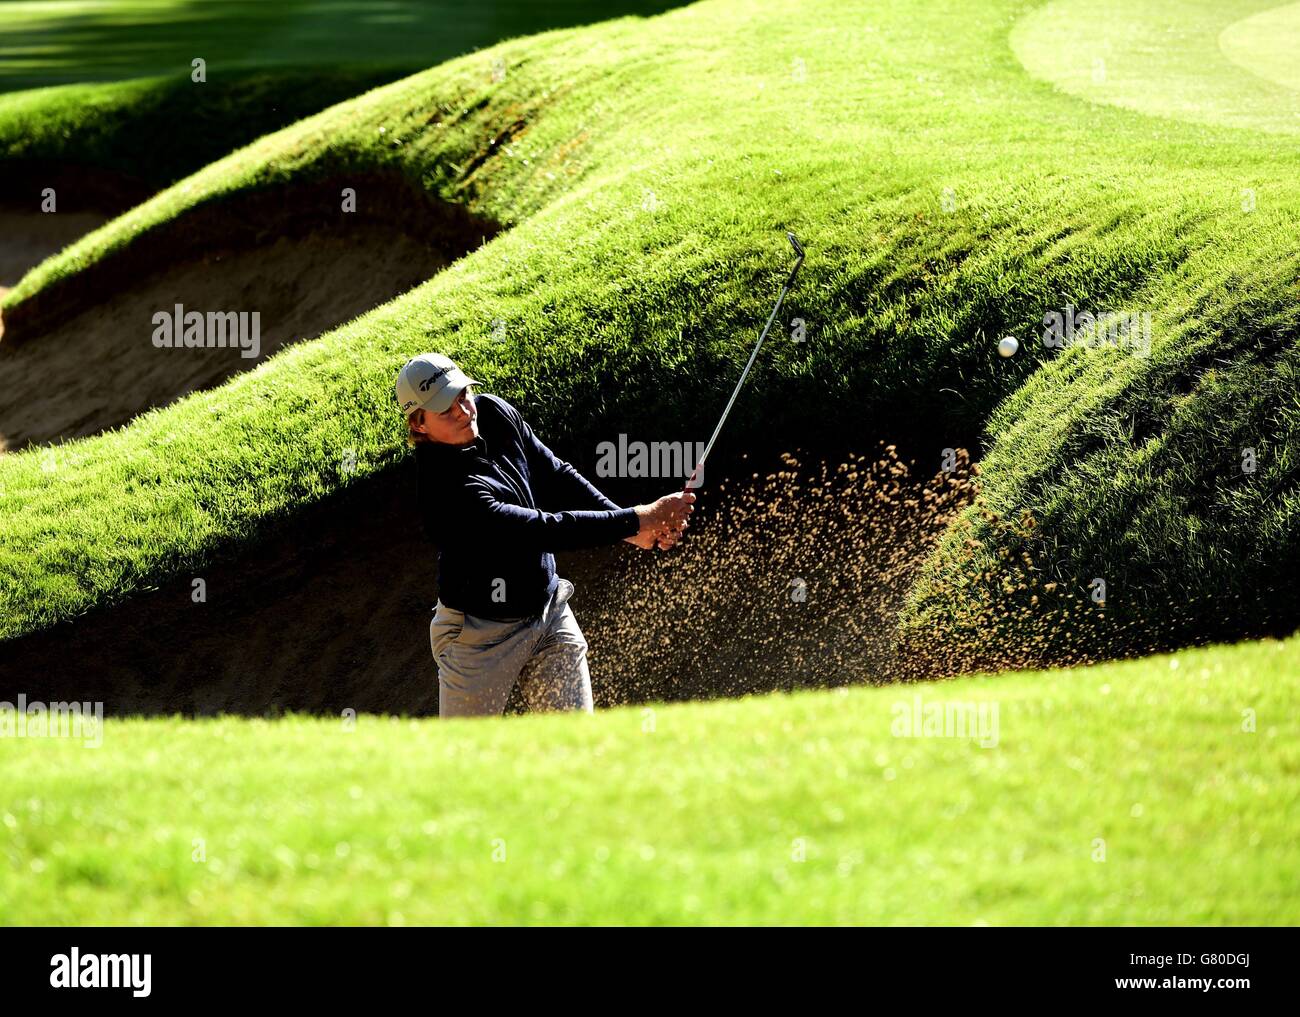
{"x": 457, "y": 425}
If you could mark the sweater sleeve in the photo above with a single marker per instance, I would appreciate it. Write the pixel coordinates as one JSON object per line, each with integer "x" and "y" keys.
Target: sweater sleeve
{"x": 500, "y": 522}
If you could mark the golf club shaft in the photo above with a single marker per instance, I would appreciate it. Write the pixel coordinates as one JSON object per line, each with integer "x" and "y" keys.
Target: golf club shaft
{"x": 752, "y": 357}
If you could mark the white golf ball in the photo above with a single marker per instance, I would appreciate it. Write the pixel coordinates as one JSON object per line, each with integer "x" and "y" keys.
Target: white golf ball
{"x": 1008, "y": 345}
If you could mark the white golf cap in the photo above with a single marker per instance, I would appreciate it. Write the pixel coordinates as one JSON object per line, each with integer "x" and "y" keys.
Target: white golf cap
{"x": 430, "y": 382}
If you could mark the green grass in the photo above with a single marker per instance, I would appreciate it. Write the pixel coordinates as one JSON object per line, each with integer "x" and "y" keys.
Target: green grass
{"x": 948, "y": 195}
{"x": 645, "y": 168}
{"x": 1125, "y": 793}
{"x": 157, "y": 130}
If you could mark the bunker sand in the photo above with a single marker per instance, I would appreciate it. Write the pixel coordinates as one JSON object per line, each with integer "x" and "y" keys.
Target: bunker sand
{"x": 789, "y": 578}
{"x": 288, "y": 254}
{"x": 28, "y": 238}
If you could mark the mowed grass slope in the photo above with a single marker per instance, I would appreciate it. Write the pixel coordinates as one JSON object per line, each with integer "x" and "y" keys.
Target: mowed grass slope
{"x": 1162, "y": 791}
{"x": 646, "y": 169}
{"x": 156, "y": 130}
{"x": 108, "y": 86}
{"x": 1174, "y": 478}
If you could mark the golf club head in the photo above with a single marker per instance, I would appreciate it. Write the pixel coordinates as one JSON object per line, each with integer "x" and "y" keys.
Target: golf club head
{"x": 798, "y": 262}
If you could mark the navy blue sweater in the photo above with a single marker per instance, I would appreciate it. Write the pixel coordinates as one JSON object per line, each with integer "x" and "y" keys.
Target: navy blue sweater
{"x": 496, "y": 509}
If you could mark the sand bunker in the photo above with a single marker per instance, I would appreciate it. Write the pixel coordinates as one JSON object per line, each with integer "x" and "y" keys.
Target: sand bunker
{"x": 787, "y": 579}
{"x": 81, "y": 357}
{"x": 108, "y": 370}
{"x": 28, "y": 238}
{"x": 87, "y": 197}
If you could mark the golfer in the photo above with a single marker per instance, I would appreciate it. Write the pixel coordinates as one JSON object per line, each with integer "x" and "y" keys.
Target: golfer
{"x": 497, "y": 503}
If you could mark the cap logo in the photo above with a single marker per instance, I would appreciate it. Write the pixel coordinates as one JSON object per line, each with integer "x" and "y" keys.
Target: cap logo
{"x": 437, "y": 374}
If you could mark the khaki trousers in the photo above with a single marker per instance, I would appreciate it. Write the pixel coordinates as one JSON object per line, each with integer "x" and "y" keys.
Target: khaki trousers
{"x": 480, "y": 660}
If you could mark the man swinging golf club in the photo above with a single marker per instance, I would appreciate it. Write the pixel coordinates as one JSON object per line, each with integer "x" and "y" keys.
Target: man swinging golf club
{"x": 497, "y": 503}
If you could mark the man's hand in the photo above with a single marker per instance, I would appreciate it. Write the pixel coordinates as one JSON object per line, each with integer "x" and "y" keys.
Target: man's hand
{"x": 643, "y": 540}
{"x": 663, "y": 521}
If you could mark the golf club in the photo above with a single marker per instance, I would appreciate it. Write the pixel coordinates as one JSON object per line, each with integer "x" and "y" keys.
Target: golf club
{"x": 798, "y": 250}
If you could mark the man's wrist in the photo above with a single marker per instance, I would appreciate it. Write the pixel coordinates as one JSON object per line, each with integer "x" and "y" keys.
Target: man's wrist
{"x": 632, "y": 517}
